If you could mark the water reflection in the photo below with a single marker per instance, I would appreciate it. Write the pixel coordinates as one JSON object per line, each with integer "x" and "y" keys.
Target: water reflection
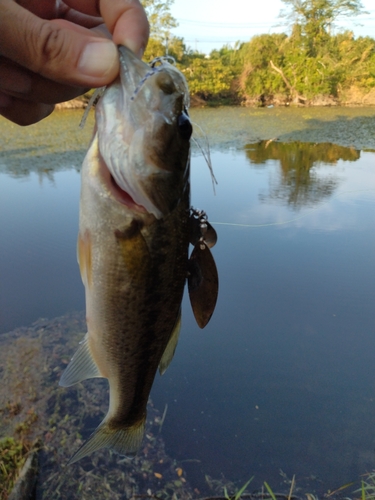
{"x": 301, "y": 181}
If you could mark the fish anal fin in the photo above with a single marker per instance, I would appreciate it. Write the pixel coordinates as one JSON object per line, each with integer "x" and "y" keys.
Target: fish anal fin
{"x": 203, "y": 283}
{"x": 171, "y": 347}
{"x": 125, "y": 441}
{"x": 81, "y": 367}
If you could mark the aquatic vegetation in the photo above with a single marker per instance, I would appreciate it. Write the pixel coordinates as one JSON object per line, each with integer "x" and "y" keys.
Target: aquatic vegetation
{"x": 13, "y": 454}
{"x": 268, "y": 488}
{"x": 238, "y": 494}
{"x": 367, "y": 490}
{"x": 52, "y": 415}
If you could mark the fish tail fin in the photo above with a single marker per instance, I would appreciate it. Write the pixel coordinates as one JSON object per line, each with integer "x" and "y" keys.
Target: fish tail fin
{"x": 125, "y": 441}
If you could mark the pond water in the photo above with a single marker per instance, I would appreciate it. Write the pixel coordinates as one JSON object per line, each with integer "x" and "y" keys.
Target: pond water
{"x": 283, "y": 377}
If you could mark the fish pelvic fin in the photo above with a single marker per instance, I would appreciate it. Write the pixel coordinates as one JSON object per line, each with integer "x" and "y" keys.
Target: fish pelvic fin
{"x": 171, "y": 346}
{"x": 81, "y": 367}
{"x": 125, "y": 441}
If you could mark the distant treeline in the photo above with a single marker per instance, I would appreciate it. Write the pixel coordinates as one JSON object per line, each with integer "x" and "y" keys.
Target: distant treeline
{"x": 279, "y": 69}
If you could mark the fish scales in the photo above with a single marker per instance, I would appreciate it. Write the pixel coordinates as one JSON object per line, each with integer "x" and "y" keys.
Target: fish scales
{"x": 139, "y": 326}
{"x": 133, "y": 244}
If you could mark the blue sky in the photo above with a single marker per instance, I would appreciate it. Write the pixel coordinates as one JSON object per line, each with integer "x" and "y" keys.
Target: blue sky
{"x": 209, "y": 24}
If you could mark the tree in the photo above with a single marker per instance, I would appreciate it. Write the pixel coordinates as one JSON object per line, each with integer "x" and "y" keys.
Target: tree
{"x": 160, "y": 18}
{"x": 176, "y": 48}
{"x": 162, "y": 42}
{"x": 315, "y": 17}
{"x": 256, "y": 78}
{"x": 209, "y": 78}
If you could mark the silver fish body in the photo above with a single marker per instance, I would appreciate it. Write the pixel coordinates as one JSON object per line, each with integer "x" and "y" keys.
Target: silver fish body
{"x": 133, "y": 243}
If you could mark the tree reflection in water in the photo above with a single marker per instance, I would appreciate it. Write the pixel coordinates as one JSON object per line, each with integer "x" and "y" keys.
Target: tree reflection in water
{"x": 301, "y": 182}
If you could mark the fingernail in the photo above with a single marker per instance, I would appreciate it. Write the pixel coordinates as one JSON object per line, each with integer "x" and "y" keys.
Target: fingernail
{"x": 134, "y": 47}
{"x": 140, "y": 53}
{"x": 98, "y": 58}
{"x": 5, "y": 100}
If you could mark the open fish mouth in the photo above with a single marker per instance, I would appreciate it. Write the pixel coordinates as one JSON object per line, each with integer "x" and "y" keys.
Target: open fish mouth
{"x": 116, "y": 191}
{"x": 141, "y": 135}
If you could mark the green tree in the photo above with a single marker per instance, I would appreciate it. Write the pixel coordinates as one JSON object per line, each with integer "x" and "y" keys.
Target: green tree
{"x": 209, "y": 78}
{"x": 256, "y": 78}
{"x": 160, "y": 18}
{"x": 162, "y": 42}
{"x": 315, "y": 17}
{"x": 176, "y": 48}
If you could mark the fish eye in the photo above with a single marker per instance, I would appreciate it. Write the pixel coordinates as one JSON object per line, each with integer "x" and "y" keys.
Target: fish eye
{"x": 184, "y": 126}
{"x": 165, "y": 83}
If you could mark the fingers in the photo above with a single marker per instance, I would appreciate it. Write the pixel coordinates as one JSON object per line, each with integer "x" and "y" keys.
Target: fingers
{"x": 43, "y": 61}
{"x": 56, "y": 50}
{"x": 23, "y": 112}
{"x": 127, "y": 21}
{"x": 23, "y": 84}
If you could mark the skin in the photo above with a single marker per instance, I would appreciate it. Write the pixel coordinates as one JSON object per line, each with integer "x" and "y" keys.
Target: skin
{"x": 52, "y": 51}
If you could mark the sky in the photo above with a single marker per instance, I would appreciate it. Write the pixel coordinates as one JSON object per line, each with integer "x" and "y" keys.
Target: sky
{"x": 209, "y": 24}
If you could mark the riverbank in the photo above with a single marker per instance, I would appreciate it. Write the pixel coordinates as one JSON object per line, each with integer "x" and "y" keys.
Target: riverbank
{"x": 353, "y": 96}
{"x": 37, "y": 413}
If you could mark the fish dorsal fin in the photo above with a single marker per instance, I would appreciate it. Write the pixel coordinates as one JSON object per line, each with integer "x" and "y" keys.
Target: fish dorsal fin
{"x": 171, "y": 347}
{"x": 81, "y": 367}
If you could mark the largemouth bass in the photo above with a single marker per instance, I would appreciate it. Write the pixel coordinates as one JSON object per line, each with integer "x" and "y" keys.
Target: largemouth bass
{"x": 133, "y": 243}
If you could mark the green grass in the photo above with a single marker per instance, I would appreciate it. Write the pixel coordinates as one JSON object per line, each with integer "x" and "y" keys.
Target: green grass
{"x": 367, "y": 489}
{"x": 238, "y": 494}
{"x": 12, "y": 457}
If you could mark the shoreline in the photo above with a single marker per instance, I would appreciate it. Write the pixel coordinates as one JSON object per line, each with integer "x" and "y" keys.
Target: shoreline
{"x": 351, "y": 98}
{"x": 48, "y": 421}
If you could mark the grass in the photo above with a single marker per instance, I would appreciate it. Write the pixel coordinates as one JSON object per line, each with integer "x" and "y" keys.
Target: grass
{"x": 367, "y": 489}
{"x": 13, "y": 455}
{"x": 238, "y": 494}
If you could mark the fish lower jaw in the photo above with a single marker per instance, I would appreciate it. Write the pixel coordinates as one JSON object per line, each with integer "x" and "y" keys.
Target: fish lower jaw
{"x": 116, "y": 191}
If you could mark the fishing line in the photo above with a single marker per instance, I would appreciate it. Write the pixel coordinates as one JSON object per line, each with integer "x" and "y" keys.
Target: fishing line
{"x": 205, "y": 152}
{"x": 234, "y": 224}
{"x": 93, "y": 100}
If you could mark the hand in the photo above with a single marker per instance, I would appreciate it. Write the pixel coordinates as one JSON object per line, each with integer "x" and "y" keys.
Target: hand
{"x": 52, "y": 51}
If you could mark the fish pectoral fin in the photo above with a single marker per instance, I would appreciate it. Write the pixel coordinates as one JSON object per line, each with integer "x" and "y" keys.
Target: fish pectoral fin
{"x": 125, "y": 441}
{"x": 171, "y": 347}
{"x": 81, "y": 367}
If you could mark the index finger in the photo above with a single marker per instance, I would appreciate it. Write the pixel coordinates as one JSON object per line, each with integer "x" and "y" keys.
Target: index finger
{"x": 65, "y": 52}
{"x": 125, "y": 19}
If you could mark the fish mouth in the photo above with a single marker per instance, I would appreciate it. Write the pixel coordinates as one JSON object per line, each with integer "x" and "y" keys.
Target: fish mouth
{"x": 132, "y": 70}
{"x": 116, "y": 191}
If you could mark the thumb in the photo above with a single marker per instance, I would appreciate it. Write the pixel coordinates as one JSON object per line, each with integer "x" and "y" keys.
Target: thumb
{"x": 57, "y": 50}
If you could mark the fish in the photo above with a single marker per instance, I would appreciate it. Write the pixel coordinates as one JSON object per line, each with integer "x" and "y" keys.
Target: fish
{"x": 133, "y": 244}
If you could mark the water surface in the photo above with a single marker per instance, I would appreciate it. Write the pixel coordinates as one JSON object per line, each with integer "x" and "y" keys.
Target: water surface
{"x": 283, "y": 375}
